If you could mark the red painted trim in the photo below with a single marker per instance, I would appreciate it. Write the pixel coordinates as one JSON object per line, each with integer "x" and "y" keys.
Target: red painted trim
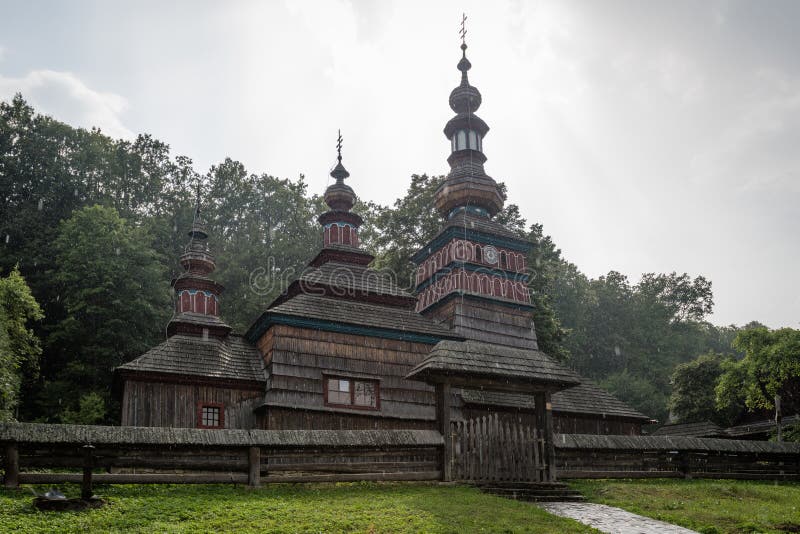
{"x": 201, "y": 405}
{"x": 353, "y": 380}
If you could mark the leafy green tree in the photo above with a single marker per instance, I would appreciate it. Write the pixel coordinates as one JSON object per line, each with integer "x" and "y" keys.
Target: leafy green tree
{"x": 91, "y": 411}
{"x": 693, "y": 391}
{"x": 771, "y": 366}
{"x": 19, "y": 346}
{"x": 639, "y": 393}
{"x": 116, "y": 299}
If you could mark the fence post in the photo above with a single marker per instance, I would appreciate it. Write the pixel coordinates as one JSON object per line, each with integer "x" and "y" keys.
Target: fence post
{"x": 254, "y": 464}
{"x": 443, "y": 418}
{"x": 686, "y": 463}
{"x": 11, "y": 479}
{"x": 88, "y": 463}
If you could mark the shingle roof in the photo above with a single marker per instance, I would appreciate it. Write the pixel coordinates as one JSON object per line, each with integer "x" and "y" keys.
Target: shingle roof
{"x": 352, "y": 278}
{"x": 760, "y": 427}
{"x": 703, "y": 429}
{"x": 475, "y": 358}
{"x": 479, "y": 224}
{"x": 359, "y": 313}
{"x": 590, "y": 398}
{"x": 199, "y": 319}
{"x": 498, "y": 398}
{"x": 230, "y": 358}
{"x": 587, "y": 398}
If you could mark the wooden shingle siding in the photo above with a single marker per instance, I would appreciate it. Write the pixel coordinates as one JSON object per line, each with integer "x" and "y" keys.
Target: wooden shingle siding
{"x": 298, "y": 358}
{"x": 175, "y": 405}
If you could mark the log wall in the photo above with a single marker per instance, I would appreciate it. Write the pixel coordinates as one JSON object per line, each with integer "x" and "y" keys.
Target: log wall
{"x": 168, "y": 404}
{"x": 297, "y": 359}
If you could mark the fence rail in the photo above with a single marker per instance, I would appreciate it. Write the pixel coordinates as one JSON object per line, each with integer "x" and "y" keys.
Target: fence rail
{"x": 590, "y": 456}
{"x": 169, "y": 455}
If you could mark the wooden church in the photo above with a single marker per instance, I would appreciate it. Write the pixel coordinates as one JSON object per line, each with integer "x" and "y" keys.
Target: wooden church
{"x": 335, "y": 350}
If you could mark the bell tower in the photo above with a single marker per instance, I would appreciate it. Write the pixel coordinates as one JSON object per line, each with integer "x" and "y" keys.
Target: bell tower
{"x": 473, "y": 275}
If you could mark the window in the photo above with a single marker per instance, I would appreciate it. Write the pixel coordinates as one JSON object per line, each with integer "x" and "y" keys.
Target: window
{"x": 210, "y": 415}
{"x": 352, "y": 393}
{"x": 462, "y": 140}
{"x": 473, "y": 140}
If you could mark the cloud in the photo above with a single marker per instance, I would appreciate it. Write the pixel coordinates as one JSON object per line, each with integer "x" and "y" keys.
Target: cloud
{"x": 67, "y": 98}
{"x": 2, "y": 53}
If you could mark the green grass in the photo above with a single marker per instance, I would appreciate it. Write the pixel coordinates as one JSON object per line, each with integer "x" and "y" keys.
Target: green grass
{"x": 350, "y": 507}
{"x": 708, "y": 506}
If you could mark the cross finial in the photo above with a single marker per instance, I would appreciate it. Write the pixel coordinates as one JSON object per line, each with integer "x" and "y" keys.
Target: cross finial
{"x": 339, "y": 146}
{"x": 463, "y": 30}
{"x": 197, "y": 198}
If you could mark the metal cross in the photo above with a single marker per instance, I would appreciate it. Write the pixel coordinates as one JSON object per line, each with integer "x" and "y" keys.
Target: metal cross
{"x": 339, "y": 145}
{"x": 197, "y": 203}
{"x": 463, "y": 31}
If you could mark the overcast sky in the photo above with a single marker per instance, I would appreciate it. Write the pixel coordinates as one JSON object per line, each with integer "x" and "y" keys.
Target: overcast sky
{"x": 645, "y": 136}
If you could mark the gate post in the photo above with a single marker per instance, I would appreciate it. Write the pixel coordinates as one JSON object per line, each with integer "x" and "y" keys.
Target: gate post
{"x": 443, "y": 420}
{"x": 544, "y": 420}
{"x": 254, "y": 467}
{"x": 11, "y": 479}
{"x": 88, "y": 464}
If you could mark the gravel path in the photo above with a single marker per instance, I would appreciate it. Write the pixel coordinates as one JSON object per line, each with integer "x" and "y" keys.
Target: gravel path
{"x": 612, "y": 520}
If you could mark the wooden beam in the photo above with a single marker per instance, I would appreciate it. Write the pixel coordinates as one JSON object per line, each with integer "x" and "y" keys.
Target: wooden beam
{"x": 11, "y": 478}
{"x": 86, "y": 479}
{"x": 549, "y": 436}
{"x": 443, "y": 421}
{"x": 254, "y": 465}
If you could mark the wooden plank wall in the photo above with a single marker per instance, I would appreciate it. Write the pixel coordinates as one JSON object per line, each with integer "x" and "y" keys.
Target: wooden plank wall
{"x": 566, "y": 423}
{"x": 297, "y": 358}
{"x": 484, "y": 321}
{"x": 169, "y": 404}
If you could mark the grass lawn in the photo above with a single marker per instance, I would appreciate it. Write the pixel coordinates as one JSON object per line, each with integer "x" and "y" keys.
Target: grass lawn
{"x": 344, "y": 507}
{"x": 708, "y": 506}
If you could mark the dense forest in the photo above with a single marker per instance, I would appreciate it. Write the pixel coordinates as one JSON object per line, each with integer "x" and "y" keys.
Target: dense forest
{"x": 91, "y": 229}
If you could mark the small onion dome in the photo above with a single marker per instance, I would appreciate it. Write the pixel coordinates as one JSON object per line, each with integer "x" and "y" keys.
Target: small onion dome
{"x": 339, "y": 196}
{"x": 465, "y": 98}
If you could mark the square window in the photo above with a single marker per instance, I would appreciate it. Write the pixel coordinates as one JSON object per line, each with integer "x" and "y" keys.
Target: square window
{"x": 362, "y": 394}
{"x": 210, "y": 415}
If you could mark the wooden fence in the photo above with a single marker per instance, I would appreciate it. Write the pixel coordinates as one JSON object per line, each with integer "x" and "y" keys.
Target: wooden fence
{"x": 488, "y": 449}
{"x": 591, "y": 456}
{"x": 136, "y": 455}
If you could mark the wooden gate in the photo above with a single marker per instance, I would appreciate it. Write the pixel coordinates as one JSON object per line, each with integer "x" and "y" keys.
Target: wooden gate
{"x": 488, "y": 449}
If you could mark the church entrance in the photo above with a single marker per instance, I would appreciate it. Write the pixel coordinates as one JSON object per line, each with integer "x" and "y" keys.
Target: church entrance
{"x": 491, "y": 449}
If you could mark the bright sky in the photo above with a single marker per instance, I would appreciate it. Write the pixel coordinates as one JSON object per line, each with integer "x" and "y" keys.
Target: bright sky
{"x": 645, "y": 136}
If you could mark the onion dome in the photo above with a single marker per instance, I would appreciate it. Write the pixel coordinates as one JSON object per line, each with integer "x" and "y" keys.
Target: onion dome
{"x": 467, "y": 188}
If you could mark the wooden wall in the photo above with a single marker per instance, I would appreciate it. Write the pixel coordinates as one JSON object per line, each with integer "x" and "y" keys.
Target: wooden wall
{"x": 147, "y": 403}
{"x": 567, "y": 423}
{"x": 486, "y": 321}
{"x": 297, "y": 358}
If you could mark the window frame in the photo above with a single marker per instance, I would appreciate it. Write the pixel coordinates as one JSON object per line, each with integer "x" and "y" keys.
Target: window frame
{"x": 376, "y": 383}
{"x": 218, "y": 405}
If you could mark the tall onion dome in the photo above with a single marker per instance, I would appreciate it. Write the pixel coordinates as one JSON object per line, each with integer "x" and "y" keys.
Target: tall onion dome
{"x": 467, "y": 187}
{"x": 197, "y": 295}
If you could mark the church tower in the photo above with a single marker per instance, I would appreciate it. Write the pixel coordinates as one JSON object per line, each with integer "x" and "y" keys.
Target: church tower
{"x": 472, "y": 275}
{"x": 196, "y": 293}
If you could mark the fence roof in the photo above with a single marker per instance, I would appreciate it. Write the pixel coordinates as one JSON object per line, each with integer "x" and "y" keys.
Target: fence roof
{"x": 671, "y": 443}
{"x": 40, "y": 433}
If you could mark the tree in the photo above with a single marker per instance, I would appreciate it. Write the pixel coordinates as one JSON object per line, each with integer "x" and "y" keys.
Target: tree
{"x": 639, "y": 393}
{"x": 771, "y": 366}
{"x": 693, "y": 391}
{"x": 116, "y": 299}
{"x": 19, "y": 346}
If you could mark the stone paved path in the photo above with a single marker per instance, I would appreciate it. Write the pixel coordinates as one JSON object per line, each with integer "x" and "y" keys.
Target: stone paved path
{"x": 612, "y": 520}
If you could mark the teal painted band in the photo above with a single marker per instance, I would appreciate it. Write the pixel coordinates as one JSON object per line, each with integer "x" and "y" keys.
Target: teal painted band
{"x": 471, "y": 235}
{"x": 329, "y": 326}
{"x": 442, "y": 272}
